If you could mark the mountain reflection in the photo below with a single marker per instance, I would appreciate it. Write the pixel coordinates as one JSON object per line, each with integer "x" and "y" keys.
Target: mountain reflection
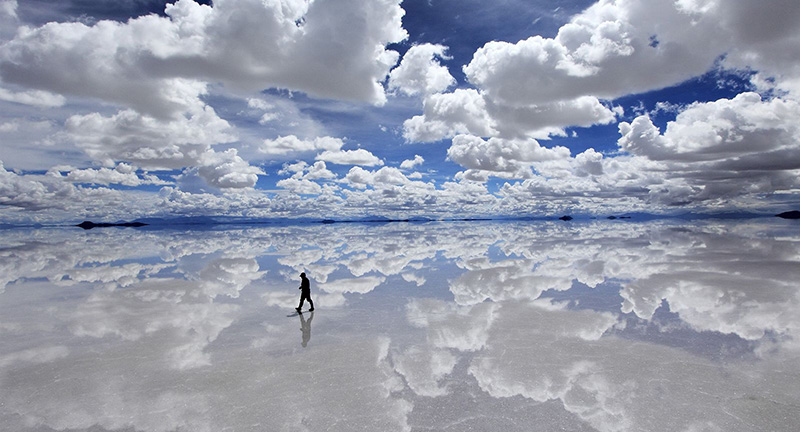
{"x": 597, "y": 326}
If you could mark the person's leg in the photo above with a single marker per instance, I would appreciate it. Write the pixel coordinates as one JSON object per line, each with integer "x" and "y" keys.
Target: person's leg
{"x": 302, "y": 297}
{"x": 310, "y": 303}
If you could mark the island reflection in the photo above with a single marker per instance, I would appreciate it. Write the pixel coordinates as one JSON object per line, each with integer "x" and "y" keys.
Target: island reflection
{"x": 580, "y": 326}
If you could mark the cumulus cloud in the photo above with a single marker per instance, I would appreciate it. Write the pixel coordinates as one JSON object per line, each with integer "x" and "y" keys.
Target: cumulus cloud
{"x": 239, "y": 203}
{"x": 539, "y": 86}
{"x": 467, "y": 111}
{"x": 545, "y": 120}
{"x": 358, "y": 177}
{"x": 718, "y": 130}
{"x": 227, "y": 170}
{"x": 295, "y": 45}
{"x": 36, "y": 193}
{"x": 350, "y": 157}
{"x": 37, "y": 98}
{"x": 302, "y": 170}
{"x": 411, "y": 163}
{"x": 123, "y": 174}
{"x": 157, "y": 75}
{"x": 145, "y": 141}
{"x": 149, "y": 142}
{"x": 446, "y": 114}
{"x": 605, "y": 51}
{"x": 292, "y": 145}
{"x": 725, "y": 148}
{"x": 268, "y": 110}
{"x": 157, "y": 69}
{"x": 720, "y": 154}
{"x": 420, "y": 72}
{"x": 499, "y": 155}
{"x": 300, "y": 186}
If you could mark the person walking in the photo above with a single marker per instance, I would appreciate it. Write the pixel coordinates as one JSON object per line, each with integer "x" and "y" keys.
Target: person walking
{"x": 305, "y": 292}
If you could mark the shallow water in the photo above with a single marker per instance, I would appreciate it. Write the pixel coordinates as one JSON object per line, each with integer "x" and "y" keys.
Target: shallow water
{"x": 609, "y": 326}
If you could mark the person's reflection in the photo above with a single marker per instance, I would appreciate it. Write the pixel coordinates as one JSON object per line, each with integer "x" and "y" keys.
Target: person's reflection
{"x": 305, "y": 327}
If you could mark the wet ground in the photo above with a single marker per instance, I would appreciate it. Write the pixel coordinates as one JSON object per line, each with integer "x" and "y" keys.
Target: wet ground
{"x": 606, "y": 325}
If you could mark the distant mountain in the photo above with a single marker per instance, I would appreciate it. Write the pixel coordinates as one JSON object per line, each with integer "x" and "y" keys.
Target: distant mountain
{"x": 181, "y": 220}
{"x": 371, "y": 218}
{"x": 214, "y": 222}
{"x": 375, "y": 219}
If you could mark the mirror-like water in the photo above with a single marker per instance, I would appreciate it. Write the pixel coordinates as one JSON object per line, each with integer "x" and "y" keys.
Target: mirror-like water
{"x": 608, "y": 326}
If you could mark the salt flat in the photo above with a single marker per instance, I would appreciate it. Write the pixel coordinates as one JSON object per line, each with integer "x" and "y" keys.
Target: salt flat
{"x": 602, "y": 325}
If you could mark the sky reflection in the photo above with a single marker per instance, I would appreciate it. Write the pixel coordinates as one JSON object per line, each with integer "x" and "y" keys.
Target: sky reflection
{"x": 591, "y": 326}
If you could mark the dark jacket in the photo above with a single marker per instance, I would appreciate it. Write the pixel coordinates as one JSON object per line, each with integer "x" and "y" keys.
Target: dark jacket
{"x": 305, "y": 286}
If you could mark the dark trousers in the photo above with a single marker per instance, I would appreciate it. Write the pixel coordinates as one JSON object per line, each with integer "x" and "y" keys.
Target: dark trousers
{"x": 306, "y": 296}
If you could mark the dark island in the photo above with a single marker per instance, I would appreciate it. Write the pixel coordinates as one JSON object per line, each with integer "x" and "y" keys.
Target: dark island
{"x": 794, "y": 214}
{"x": 89, "y": 224}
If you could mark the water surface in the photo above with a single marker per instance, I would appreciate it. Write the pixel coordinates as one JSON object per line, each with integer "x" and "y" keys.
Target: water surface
{"x": 607, "y": 326}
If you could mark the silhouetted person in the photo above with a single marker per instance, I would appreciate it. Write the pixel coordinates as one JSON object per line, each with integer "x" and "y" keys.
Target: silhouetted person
{"x": 305, "y": 292}
{"x": 305, "y": 327}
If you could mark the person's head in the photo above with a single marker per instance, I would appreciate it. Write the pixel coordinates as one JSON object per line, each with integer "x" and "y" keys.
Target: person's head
{"x": 303, "y": 275}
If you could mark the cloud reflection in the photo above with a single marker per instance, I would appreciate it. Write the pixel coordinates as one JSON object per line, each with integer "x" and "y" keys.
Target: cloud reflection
{"x": 594, "y": 324}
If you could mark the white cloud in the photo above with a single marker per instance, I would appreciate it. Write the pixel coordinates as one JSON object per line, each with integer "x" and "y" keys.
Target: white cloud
{"x": 537, "y": 87}
{"x": 227, "y": 170}
{"x": 122, "y": 174}
{"x": 445, "y": 115}
{"x": 259, "y": 104}
{"x": 319, "y": 171}
{"x": 420, "y": 72}
{"x": 270, "y": 111}
{"x": 723, "y": 129}
{"x": 615, "y": 48}
{"x": 413, "y": 277}
{"x": 293, "y": 168}
{"x": 502, "y": 156}
{"x": 544, "y": 120}
{"x": 246, "y": 44}
{"x": 149, "y": 142}
{"x": 466, "y": 111}
{"x": 359, "y": 177}
{"x": 605, "y": 51}
{"x": 36, "y": 98}
{"x": 268, "y": 117}
{"x": 33, "y": 193}
{"x": 724, "y": 149}
{"x": 157, "y": 144}
{"x": 300, "y": 186}
{"x": 350, "y": 157}
{"x": 292, "y": 145}
{"x": 411, "y": 163}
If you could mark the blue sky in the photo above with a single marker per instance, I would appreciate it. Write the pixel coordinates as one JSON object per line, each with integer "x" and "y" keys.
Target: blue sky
{"x": 343, "y": 108}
